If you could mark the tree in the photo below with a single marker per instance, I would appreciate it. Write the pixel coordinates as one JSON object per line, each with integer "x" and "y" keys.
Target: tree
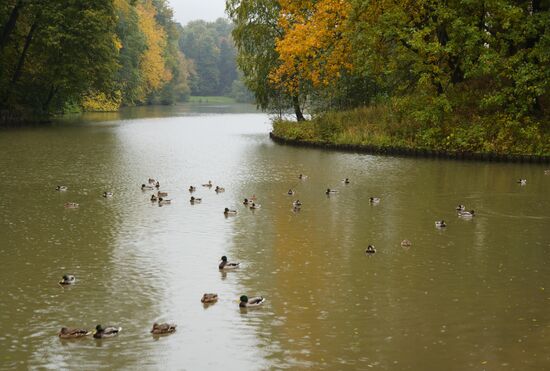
{"x": 255, "y": 34}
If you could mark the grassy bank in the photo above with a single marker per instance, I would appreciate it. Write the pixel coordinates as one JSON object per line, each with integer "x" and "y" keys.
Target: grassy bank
{"x": 383, "y": 126}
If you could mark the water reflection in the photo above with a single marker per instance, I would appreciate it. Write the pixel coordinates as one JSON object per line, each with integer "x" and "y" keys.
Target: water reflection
{"x": 468, "y": 296}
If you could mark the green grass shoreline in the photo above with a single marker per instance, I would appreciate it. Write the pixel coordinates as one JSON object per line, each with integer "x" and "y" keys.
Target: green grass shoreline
{"x": 378, "y": 129}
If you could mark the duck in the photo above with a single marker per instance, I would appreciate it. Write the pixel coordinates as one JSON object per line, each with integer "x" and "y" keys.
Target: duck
{"x": 73, "y": 333}
{"x": 227, "y": 211}
{"x": 522, "y": 181}
{"x": 224, "y": 264}
{"x": 61, "y": 188}
{"x": 255, "y": 206}
{"x": 151, "y": 181}
{"x": 346, "y": 181}
{"x": 209, "y": 298}
{"x": 163, "y": 328}
{"x": 245, "y": 302}
{"x": 192, "y": 189}
{"x": 162, "y": 201}
{"x": 71, "y": 205}
{"x": 302, "y": 176}
{"x": 157, "y": 185}
{"x": 297, "y": 203}
{"x": 106, "y": 332}
{"x": 219, "y": 189}
{"x": 440, "y": 224}
{"x": 460, "y": 208}
{"x": 107, "y": 194}
{"x": 68, "y": 279}
{"x": 374, "y": 200}
{"x": 162, "y": 194}
{"x": 209, "y": 184}
{"x": 195, "y": 200}
{"x": 370, "y": 250}
{"x": 154, "y": 198}
{"x": 247, "y": 202}
{"x": 466, "y": 214}
{"x": 145, "y": 187}
{"x": 329, "y": 191}
{"x": 290, "y": 192}
{"x": 406, "y": 243}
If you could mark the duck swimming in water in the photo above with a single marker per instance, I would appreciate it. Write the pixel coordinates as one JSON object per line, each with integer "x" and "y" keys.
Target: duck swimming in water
{"x": 522, "y": 181}
{"x": 71, "y": 205}
{"x": 209, "y": 298}
{"x": 466, "y": 214}
{"x": 162, "y": 194}
{"x": 374, "y": 200}
{"x": 346, "y": 181}
{"x": 68, "y": 279}
{"x": 163, "y": 328}
{"x": 370, "y": 250}
{"x": 460, "y": 208}
{"x": 290, "y": 192}
{"x": 195, "y": 200}
{"x": 192, "y": 189}
{"x": 440, "y": 224}
{"x": 219, "y": 189}
{"x": 157, "y": 185}
{"x": 227, "y": 211}
{"x": 145, "y": 187}
{"x": 247, "y": 202}
{"x": 330, "y": 191}
{"x": 297, "y": 203}
{"x": 73, "y": 333}
{"x": 154, "y": 198}
{"x": 61, "y": 188}
{"x": 106, "y": 332}
{"x": 107, "y": 194}
{"x": 224, "y": 264}
{"x": 209, "y": 184}
{"x": 255, "y": 206}
{"x": 162, "y": 201}
{"x": 245, "y": 302}
{"x": 302, "y": 176}
{"x": 406, "y": 243}
{"x": 151, "y": 181}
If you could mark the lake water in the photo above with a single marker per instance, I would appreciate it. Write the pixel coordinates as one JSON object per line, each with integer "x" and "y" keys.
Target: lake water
{"x": 475, "y": 295}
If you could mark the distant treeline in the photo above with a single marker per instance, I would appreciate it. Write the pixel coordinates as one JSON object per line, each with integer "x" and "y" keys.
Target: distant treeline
{"x": 65, "y": 55}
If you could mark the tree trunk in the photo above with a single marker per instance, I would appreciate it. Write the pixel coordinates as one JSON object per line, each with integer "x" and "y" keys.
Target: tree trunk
{"x": 28, "y": 40}
{"x": 10, "y": 25}
{"x": 46, "y": 105}
{"x": 297, "y": 109}
{"x": 19, "y": 69}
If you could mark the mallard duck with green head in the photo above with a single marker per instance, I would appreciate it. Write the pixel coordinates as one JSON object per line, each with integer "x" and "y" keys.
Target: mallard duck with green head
{"x": 224, "y": 264}
{"x": 106, "y": 332}
{"x": 245, "y": 302}
{"x": 68, "y": 279}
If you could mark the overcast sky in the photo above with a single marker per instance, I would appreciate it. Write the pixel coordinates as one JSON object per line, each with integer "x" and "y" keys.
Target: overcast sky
{"x": 190, "y": 10}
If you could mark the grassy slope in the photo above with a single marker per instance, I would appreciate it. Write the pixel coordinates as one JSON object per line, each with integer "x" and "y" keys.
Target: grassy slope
{"x": 383, "y": 127}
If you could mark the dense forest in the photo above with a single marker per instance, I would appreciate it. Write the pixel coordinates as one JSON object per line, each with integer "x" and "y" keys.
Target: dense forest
{"x": 454, "y": 74}
{"x": 68, "y": 55}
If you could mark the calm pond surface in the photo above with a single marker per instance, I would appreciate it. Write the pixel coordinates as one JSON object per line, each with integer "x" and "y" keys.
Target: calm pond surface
{"x": 473, "y": 296}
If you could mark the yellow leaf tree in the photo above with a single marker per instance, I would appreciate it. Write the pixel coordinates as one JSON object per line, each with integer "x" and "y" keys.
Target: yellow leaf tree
{"x": 153, "y": 68}
{"x": 314, "y": 48}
